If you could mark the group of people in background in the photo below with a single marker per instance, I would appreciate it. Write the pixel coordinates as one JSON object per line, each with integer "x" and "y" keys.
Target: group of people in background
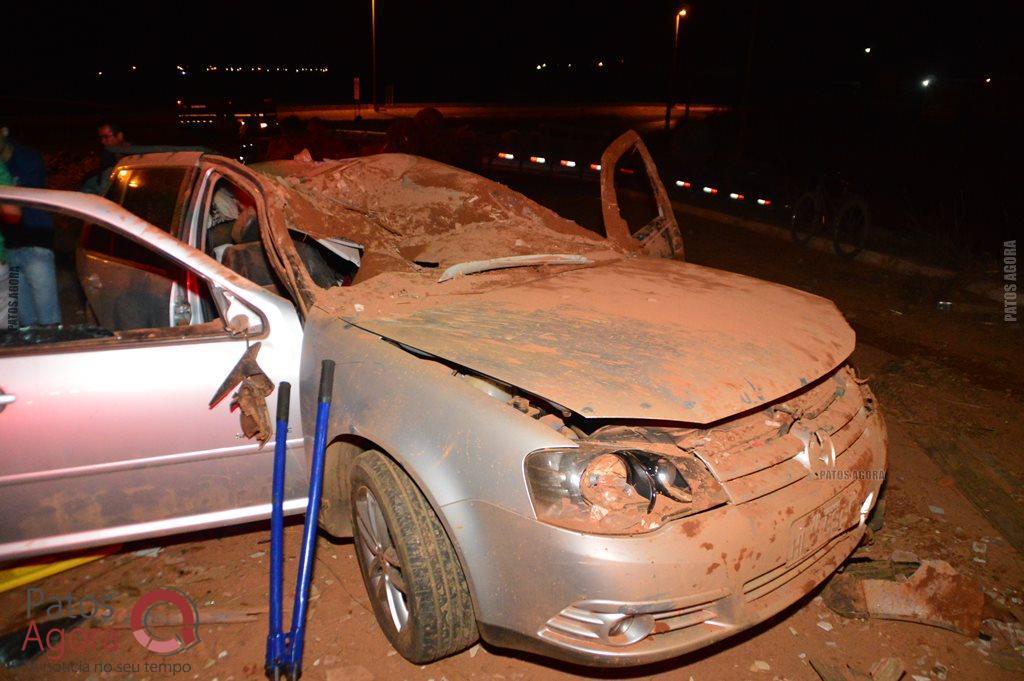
{"x": 28, "y": 273}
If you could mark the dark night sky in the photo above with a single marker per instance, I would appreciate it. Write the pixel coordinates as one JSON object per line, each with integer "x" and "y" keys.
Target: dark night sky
{"x": 489, "y": 51}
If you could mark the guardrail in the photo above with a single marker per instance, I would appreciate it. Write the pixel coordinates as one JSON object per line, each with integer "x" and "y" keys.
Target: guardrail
{"x": 578, "y": 169}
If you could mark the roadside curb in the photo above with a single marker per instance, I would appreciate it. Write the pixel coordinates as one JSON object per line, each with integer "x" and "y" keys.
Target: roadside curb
{"x": 874, "y": 258}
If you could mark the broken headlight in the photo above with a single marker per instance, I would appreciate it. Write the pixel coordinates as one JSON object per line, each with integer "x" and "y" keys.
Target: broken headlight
{"x": 617, "y": 491}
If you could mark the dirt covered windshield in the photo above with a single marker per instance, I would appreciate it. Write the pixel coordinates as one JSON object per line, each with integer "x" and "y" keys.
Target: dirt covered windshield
{"x": 415, "y": 217}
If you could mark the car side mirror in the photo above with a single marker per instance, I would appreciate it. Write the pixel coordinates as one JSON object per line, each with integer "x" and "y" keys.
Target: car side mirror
{"x": 242, "y": 320}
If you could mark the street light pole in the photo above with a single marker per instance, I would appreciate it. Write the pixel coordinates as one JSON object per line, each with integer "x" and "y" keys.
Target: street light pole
{"x": 373, "y": 46}
{"x": 680, "y": 15}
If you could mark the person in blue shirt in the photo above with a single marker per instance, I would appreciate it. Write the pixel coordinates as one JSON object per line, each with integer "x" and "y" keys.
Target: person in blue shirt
{"x": 29, "y": 241}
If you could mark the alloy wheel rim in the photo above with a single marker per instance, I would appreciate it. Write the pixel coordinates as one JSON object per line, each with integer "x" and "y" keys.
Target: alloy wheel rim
{"x": 380, "y": 559}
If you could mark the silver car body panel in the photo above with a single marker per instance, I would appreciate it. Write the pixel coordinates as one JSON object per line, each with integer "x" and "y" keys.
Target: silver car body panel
{"x": 112, "y": 439}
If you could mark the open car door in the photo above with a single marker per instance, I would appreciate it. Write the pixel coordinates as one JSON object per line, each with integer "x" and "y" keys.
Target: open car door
{"x": 660, "y": 237}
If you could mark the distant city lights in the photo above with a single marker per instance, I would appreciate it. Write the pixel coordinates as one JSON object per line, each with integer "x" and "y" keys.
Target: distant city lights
{"x": 867, "y": 50}
{"x": 927, "y": 82}
{"x": 567, "y": 164}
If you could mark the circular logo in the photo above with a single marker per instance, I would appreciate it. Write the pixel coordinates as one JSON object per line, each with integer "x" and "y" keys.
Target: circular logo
{"x": 188, "y": 632}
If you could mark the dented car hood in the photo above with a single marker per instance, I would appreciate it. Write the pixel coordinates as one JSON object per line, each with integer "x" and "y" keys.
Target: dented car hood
{"x": 634, "y": 338}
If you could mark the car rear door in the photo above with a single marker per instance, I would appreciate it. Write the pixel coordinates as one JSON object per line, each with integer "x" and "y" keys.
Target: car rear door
{"x": 112, "y": 437}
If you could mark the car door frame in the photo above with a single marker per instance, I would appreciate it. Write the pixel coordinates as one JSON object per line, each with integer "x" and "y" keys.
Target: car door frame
{"x": 275, "y": 312}
{"x": 661, "y": 237}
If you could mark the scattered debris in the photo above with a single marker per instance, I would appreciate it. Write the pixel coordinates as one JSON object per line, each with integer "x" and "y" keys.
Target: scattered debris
{"x": 937, "y": 510}
{"x": 886, "y": 669}
{"x": 151, "y": 552}
{"x": 825, "y": 625}
{"x": 933, "y": 594}
{"x": 760, "y": 666}
{"x": 474, "y": 650}
{"x": 353, "y": 673}
{"x": 899, "y": 556}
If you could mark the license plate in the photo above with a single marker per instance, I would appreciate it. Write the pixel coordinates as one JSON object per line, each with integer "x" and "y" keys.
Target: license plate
{"x": 817, "y": 527}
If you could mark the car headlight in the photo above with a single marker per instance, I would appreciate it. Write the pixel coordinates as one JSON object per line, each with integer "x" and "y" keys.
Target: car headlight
{"x": 605, "y": 490}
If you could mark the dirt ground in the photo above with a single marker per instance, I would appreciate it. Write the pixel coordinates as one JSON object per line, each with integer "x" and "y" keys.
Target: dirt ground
{"x": 950, "y": 386}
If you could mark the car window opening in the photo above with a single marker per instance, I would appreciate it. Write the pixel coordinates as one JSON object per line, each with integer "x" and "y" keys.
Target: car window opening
{"x": 233, "y": 239}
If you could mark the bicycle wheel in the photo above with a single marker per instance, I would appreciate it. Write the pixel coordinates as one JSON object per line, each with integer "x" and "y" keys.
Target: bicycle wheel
{"x": 805, "y": 222}
{"x": 851, "y": 226}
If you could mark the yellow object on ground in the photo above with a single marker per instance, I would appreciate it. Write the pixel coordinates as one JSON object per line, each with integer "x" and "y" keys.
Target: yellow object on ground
{"x": 26, "y": 573}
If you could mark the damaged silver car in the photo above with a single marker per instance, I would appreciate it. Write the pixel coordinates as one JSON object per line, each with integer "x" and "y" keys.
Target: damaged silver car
{"x": 560, "y": 442}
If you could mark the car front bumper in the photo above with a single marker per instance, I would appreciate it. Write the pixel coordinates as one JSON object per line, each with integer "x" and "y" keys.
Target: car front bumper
{"x": 630, "y": 600}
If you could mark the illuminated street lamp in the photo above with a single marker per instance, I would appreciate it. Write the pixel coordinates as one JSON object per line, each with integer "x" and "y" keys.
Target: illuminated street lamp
{"x": 927, "y": 82}
{"x": 680, "y": 15}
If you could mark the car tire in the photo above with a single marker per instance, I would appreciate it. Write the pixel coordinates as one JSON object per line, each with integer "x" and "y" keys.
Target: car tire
{"x": 410, "y": 569}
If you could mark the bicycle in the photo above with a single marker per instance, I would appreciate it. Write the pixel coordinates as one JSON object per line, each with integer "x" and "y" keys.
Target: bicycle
{"x": 846, "y": 215}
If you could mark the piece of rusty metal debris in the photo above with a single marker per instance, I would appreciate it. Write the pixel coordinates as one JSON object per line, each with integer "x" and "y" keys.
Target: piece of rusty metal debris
{"x": 886, "y": 669}
{"x": 475, "y": 266}
{"x": 933, "y": 593}
{"x": 250, "y": 399}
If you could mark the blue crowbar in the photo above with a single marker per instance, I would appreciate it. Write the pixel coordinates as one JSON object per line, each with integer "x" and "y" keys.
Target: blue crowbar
{"x": 284, "y": 651}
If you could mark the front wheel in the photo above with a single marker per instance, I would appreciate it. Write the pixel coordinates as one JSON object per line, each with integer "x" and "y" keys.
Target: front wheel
{"x": 852, "y": 223}
{"x": 409, "y": 566}
{"x": 806, "y": 220}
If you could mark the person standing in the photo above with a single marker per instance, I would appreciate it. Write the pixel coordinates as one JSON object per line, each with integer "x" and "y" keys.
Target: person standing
{"x": 29, "y": 241}
{"x": 9, "y": 213}
{"x": 115, "y": 146}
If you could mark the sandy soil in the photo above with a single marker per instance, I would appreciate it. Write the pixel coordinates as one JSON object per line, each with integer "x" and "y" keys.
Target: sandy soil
{"x": 949, "y": 384}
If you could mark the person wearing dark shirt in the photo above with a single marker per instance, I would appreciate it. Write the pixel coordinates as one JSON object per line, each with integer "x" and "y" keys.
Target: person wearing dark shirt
{"x": 29, "y": 242}
{"x": 115, "y": 146}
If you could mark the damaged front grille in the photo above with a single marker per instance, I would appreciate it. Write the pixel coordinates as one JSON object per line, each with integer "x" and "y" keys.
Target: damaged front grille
{"x": 763, "y": 452}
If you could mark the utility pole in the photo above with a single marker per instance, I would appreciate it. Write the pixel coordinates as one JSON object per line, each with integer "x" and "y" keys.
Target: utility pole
{"x": 672, "y": 70}
{"x": 373, "y": 45}
{"x": 745, "y": 102}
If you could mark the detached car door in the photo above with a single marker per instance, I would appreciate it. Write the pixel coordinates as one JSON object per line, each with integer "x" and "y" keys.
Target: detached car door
{"x": 106, "y": 433}
{"x": 657, "y": 232}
